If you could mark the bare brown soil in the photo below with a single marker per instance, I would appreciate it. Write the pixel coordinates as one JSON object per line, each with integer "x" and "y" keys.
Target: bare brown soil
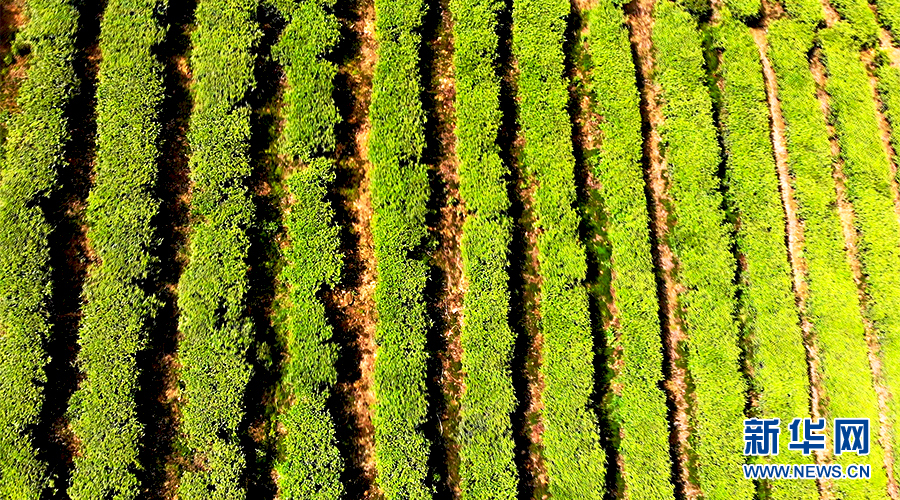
{"x": 532, "y": 420}
{"x": 716, "y": 14}
{"x": 640, "y": 22}
{"x": 447, "y": 285}
{"x": 352, "y": 302}
{"x": 831, "y": 15}
{"x": 12, "y": 19}
{"x": 887, "y": 45}
{"x": 772, "y": 10}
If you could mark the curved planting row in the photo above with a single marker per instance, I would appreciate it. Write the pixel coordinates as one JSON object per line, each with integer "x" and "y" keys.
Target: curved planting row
{"x": 771, "y": 329}
{"x": 310, "y": 464}
{"x": 487, "y": 470}
{"x": 868, "y": 172}
{"x": 212, "y": 292}
{"x": 833, "y": 307}
{"x": 400, "y": 202}
{"x": 34, "y": 153}
{"x": 638, "y": 410}
{"x": 119, "y": 308}
{"x": 575, "y": 460}
{"x": 700, "y": 240}
{"x": 889, "y": 90}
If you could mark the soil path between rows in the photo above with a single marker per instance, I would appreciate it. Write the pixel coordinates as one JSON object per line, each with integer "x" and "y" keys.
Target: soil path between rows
{"x": 640, "y": 22}
{"x": 351, "y": 305}
{"x": 12, "y": 20}
{"x": 526, "y": 283}
{"x": 446, "y": 287}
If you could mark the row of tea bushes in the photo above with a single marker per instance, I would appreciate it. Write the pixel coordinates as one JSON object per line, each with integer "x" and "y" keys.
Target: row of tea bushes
{"x": 400, "y": 195}
{"x": 120, "y": 305}
{"x": 212, "y": 293}
{"x": 34, "y": 154}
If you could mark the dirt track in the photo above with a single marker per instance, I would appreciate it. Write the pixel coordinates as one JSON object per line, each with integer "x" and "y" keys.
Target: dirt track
{"x": 640, "y": 21}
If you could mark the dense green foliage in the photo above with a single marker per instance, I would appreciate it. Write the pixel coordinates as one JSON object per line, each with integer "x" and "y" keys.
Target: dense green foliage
{"x": 864, "y": 26}
{"x": 37, "y": 134}
{"x": 400, "y": 201}
{"x": 487, "y": 470}
{"x": 702, "y": 244}
{"x": 889, "y": 91}
{"x": 868, "y": 172}
{"x": 808, "y": 11}
{"x": 310, "y": 113}
{"x": 770, "y": 323}
{"x": 212, "y": 294}
{"x": 889, "y": 15}
{"x": 638, "y": 411}
{"x": 748, "y": 9}
{"x": 833, "y": 306}
{"x": 310, "y": 465}
{"x": 119, "y": 307}
{"x": 575, "y": 461}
